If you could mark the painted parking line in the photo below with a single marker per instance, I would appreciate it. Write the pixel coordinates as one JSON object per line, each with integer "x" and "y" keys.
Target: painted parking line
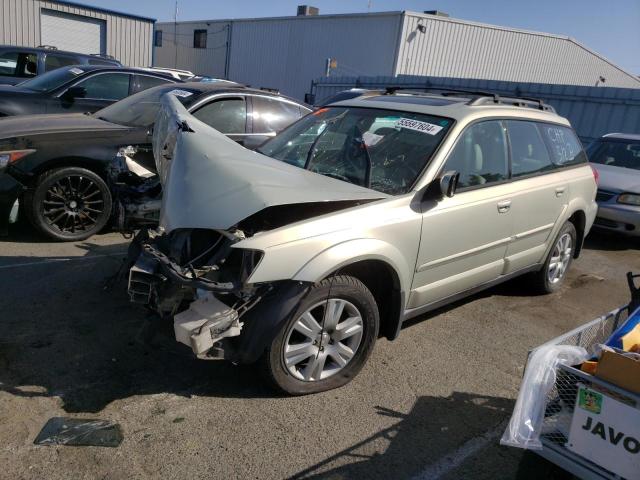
{"x": 62, "y": 260}
{"x": 458, "y": 456}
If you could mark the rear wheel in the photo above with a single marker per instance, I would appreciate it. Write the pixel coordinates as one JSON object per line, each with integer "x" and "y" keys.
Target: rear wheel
{"x": 69, "y": 203}
{"x": 328, "y": 340}
{"x": 551, "y": 277}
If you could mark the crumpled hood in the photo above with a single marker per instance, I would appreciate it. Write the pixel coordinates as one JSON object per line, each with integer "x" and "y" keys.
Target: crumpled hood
{"x": 618, "y": 179}
{"x": 22, "y": 125}
{"x": 210, "y": 181}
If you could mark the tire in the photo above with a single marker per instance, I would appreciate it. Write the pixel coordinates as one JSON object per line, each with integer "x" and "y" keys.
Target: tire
{"x": 68, "y": 204}
{"x": 544, "y": 280}
{"x": 289, "y": 371}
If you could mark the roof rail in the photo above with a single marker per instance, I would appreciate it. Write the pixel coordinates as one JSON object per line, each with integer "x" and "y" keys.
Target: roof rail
{"x": 48, "y": 47}
{"x": 479, "y": 97}
{"x": 524, "y": 102}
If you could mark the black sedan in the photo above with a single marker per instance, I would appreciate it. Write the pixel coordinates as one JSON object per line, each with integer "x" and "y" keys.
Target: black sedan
{"x": 80, "y": 88}
{"x": 57, "y": 166}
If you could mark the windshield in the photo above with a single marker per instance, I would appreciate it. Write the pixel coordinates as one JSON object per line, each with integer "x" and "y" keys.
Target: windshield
{"x": 384, "y": 150}
{"x": 52, "y": 80}
{"x": 625, "y": 154}
{"x": 140, "y": 110}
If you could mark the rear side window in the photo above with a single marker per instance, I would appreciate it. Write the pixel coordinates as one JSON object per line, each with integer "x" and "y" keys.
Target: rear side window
{"x": 53, "y": 61}
{"x": 142, "y": 82}
{"x": 273, "y": 115}
{"x": 480, "y": 156}
{"x": 529, "y": 154}
{"x": 228, "y": 116}
{"x": 107, "y": 86}
{"x": 16, "y": 64}
{"x": 564, "y": 145}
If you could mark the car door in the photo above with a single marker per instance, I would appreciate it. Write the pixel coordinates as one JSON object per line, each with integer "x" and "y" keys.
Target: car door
{"x": 465, "y": 237}
{"x": 227, "y": 114}
{"x": 268, "y": 116}
{"x": 100, "y": 90}
{"x": 541, "y": 196}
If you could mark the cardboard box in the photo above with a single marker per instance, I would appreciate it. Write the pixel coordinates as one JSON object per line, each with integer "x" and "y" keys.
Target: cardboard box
{"x": 622, "y": 371}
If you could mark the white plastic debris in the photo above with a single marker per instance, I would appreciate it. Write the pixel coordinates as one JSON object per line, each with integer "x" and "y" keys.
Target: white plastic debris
{"x": 526, "y": 421}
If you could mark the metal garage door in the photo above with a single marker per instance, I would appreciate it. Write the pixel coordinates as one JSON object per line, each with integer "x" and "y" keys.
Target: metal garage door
{"x": 72, "y": 32}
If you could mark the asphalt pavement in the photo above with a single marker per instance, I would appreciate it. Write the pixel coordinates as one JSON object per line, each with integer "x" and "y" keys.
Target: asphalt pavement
{"x": 431, "y": 404}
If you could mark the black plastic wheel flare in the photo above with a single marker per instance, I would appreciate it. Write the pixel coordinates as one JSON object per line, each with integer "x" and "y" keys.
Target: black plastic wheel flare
{"x": 73, "y": 204}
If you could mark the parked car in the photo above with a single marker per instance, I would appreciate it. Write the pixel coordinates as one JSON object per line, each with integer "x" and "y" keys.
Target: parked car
{"x": 18, "y": 64}
{"x": 616, "y": 157}
{"x": 354, "y": 219}
{"x": 76, "y": 89}
{"x": 58, "y": 166}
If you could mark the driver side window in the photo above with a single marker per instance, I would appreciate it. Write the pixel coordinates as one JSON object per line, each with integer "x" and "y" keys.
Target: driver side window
{"x": 480, "y": 155}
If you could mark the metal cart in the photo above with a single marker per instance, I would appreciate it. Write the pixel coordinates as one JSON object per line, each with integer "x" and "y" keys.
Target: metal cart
{"x": 562, "y": 398}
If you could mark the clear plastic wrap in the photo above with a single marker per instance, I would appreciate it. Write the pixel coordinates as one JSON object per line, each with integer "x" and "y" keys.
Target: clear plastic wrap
{"x": 524, "y": 428}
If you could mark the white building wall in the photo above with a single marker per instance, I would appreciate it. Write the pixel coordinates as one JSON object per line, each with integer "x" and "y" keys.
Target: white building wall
{"x": 288, "y": 53}
{"x": 461, "y": 49}
{"x": 177, "y": 47}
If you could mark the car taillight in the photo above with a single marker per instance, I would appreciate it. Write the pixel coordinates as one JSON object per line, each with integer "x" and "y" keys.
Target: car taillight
{"x": 596, "y": 174}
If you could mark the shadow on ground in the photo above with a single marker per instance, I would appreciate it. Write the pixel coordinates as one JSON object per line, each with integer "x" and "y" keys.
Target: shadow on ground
{"x": 63, "y": 334}
{"x": 439, "y": 438}
{"x": 599, "y": 240}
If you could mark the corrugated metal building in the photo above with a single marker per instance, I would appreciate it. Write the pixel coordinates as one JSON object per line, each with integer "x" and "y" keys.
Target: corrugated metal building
{"x": 289, "y": 52}
{"x": 78, "y": 28}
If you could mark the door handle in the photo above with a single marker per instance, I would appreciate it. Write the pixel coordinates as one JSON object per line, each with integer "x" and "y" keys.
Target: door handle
{"x": 503, "y": 207}
{"x": 560, "y": 191}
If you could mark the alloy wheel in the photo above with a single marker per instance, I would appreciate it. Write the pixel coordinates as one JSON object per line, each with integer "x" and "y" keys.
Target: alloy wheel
{"x": 323, "y": 340}
{"x": 73, "y": 204}
{"x": 560, "y": 258}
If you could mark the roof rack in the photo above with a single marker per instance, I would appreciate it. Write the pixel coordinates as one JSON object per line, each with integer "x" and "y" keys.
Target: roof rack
{"x": 479, "y": 97}
{"x": 48, "y": 47}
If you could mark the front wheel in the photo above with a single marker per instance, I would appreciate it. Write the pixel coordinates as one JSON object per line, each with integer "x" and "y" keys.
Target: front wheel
{"x": 552, "y": 275}
{"x": 69, "y": 204}
{"x": 327, "y": 341}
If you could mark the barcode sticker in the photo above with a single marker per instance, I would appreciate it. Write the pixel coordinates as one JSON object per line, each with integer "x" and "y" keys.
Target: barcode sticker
{"x": 419, "y": 126}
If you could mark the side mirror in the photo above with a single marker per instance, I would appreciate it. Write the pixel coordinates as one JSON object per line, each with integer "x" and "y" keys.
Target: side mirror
{"x": 75, "y": 92}
{"x": 449, "y": 183}
{"x": 443, "y": 186}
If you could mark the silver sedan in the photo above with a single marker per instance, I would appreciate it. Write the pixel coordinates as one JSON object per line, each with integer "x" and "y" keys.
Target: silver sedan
{"x": 616, "y": 157}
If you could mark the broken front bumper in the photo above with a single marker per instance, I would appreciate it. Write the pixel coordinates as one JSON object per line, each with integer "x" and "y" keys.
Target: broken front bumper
{"x": 209, "y": 325}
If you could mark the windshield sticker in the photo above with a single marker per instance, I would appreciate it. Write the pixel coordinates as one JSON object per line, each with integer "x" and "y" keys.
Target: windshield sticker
{"x": 76, "y": 71}
{"x": 180, "y": 93}
{"x": 370, "y": 139}
{"x": 419, "y": 126}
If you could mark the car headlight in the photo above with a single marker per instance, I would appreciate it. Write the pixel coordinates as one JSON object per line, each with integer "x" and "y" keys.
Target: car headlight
{"x": 11, "y": 156}
{"x": 629, "y": 199}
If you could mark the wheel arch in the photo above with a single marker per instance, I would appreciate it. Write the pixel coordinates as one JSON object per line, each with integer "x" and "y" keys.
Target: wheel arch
{"x": 91, "y": 164}
{"x": 579, "y": 220}
{"x": 377, "y": 264}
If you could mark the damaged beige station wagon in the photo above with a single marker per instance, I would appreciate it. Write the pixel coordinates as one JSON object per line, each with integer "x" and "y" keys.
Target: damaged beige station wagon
{"x": 357, "y": 217}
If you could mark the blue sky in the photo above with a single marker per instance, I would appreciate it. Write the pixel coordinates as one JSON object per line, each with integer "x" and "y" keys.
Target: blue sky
{"x": 611, "y": 28}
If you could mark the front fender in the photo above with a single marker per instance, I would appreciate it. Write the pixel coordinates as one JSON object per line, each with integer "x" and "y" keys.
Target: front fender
{"x": 352, "y": 251}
